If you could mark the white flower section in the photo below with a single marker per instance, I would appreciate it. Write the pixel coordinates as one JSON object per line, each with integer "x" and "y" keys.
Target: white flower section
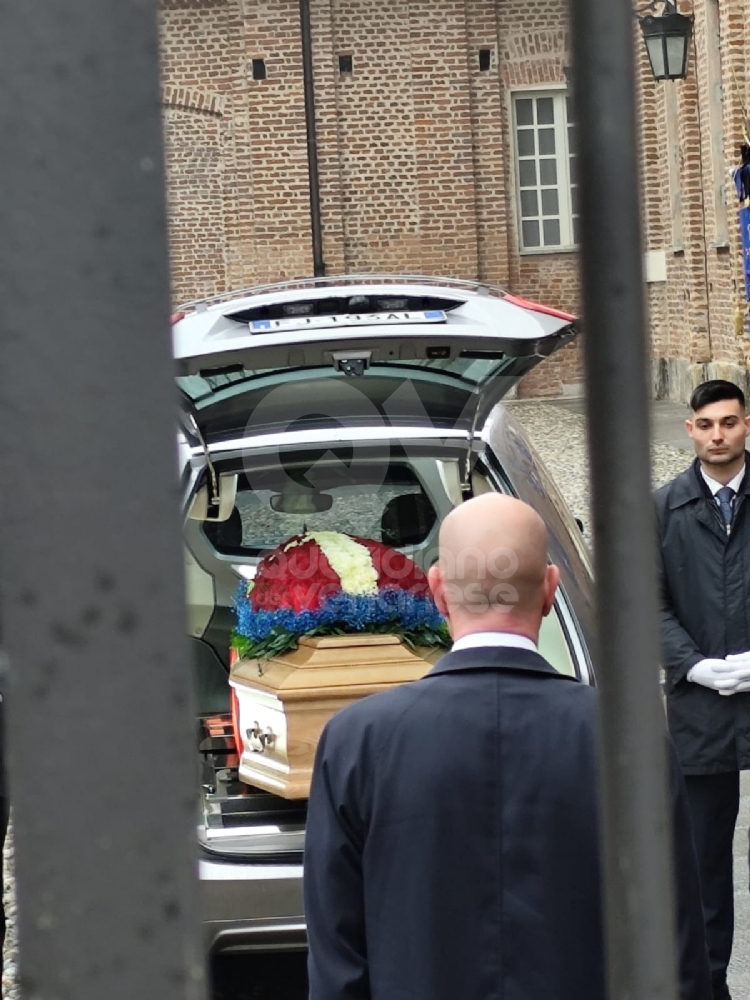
{"x": 351, "y": 561}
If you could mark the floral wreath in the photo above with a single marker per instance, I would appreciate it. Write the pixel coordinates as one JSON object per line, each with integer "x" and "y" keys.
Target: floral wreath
{"x": 328, "y": 583}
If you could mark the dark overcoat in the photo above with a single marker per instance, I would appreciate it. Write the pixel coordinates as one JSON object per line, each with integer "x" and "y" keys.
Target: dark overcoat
{"x": 452, "y": 845}
{"x": 705, "y": 612}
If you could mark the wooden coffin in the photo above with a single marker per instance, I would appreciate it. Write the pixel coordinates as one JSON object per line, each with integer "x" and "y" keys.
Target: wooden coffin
{"x": 284, "y": 703}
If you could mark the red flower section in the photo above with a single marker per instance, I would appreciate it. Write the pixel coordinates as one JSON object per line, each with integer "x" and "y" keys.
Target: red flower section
{"x": 394, "y": 569}
{"x": 300, "y": 577}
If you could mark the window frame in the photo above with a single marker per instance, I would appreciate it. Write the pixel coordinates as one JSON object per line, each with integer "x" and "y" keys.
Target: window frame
{"x": 566, "y": 620}
{"x": 562, "y": 93}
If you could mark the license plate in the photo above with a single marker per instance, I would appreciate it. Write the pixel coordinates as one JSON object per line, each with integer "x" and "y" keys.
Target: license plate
{"x": 346, "y": 319}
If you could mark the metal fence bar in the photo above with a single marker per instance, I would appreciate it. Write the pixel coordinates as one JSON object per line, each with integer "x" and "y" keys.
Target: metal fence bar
{"x": 637, "y": 848}
{"x": 103, "y": 769}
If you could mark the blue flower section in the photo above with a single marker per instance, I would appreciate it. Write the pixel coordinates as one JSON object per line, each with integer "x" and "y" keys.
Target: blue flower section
{"x": 406, "y": 610}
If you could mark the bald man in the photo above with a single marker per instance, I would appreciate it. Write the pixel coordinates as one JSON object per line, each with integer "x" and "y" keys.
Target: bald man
{"x": 452, "y": 845}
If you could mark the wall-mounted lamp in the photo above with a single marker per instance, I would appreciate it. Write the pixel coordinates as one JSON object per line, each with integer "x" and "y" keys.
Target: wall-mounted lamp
{"x": 667, "y": 37}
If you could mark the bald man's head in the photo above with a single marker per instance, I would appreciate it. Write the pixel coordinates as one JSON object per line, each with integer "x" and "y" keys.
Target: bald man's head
{"x": 493, "y": 573}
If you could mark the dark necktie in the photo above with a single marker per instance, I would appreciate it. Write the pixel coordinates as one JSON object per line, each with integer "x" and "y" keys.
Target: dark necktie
{"x": 725, "y": 496}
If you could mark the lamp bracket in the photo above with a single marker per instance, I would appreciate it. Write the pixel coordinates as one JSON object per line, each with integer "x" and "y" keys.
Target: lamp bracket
{"x": 667, "y": 7}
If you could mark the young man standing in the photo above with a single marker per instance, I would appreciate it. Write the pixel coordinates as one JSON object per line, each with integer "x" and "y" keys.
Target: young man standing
{"x": 704, "y": 540}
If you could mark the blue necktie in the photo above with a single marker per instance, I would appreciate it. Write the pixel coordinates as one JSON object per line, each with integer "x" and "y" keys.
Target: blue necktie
{"x": 725, "y": 496}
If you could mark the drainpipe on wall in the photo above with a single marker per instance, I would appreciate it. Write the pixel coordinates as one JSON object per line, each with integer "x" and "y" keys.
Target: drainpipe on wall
{"x": 319, "y": 267}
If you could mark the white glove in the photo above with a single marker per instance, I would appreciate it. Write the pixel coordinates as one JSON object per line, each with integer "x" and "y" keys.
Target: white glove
{"x": 742, "y": 662}
{"x": 739, "y": 659}
{"x": 720, "y": 675}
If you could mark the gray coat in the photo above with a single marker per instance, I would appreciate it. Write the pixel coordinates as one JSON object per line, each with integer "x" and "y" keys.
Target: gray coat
{"x": 705, "y": 612}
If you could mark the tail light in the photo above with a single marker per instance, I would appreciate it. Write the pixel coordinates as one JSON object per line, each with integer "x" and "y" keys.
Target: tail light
{"x": 516, "y": 300}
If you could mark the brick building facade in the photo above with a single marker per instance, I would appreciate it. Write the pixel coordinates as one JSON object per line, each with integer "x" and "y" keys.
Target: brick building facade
{"x": 691, "y": 136}
{"x": 444, "y": 147}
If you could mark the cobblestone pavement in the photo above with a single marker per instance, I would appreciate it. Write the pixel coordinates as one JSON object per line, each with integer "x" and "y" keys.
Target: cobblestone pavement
{"x": 558, "y": 431}
{"x": 10, "y": 990}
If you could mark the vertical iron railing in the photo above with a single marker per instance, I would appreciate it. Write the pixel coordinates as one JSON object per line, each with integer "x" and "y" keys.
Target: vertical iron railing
{"x": 636, "y": 826}
{"x": 90, "y": 571}
{"x": 100, "y": 731}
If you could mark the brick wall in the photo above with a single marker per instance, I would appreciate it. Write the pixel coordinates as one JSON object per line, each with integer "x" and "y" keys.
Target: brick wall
{"x": 415, "y": 156}
{"x": 698, "y": 316}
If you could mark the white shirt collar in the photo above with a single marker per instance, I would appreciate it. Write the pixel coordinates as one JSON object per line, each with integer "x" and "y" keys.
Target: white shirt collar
{"x": 477, "y": 639}
{"x": 733, "y": 483}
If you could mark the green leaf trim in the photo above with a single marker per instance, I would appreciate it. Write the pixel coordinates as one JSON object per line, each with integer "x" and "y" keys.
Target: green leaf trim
{"x": 279, "y": 642}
